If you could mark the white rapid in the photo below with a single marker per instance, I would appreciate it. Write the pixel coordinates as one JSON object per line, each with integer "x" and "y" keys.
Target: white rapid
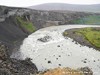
{"x": 58, "y": 51}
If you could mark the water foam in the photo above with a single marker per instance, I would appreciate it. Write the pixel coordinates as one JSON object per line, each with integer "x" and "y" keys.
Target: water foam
{"x": 59, "y": 52}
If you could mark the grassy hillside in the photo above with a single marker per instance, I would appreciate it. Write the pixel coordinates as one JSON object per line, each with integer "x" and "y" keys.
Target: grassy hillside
{"x": 26, "y": 24}
{"x": 92, "y": 35}
{"x": 85, "y": 36}
{"x": 94, "y": 20}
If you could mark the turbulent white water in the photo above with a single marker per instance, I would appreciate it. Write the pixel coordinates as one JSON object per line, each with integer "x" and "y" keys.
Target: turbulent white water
{"x": 58, "y": 51}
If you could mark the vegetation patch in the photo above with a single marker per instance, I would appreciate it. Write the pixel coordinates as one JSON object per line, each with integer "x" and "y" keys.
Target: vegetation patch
{"x": 92, "y": 20}
{"x": 26, "y": 24}
{"x": 65, "y": 33}
{"x": 89, "y": 36}
{"x": 92, "y": 35}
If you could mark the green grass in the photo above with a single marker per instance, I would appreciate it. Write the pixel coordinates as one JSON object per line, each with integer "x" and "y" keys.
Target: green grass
{"x": 26, "y": 24}
{"x": 65, "y": 33}
{"x": 93, "y": 20}
{"x": 92, "y": 35}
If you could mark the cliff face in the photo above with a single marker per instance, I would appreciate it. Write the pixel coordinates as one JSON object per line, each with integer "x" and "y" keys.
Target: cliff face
{"x": 9, "y": 66}
{"x": 13, "y": 25}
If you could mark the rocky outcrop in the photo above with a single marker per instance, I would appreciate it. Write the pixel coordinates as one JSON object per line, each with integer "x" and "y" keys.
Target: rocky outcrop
{"x": 17, "y": 67}
{"x": 45, "y": 39}
{"x": 9, "y": 66}
{"x": 3, "y": 52}
{"x": 86, "y": 71}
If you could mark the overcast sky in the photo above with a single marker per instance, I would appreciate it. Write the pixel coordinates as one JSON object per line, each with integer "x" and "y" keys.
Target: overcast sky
{"x": 24, "y": 3}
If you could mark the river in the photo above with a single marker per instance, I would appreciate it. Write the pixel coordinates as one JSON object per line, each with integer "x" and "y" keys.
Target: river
{"x": 58, "y": 51}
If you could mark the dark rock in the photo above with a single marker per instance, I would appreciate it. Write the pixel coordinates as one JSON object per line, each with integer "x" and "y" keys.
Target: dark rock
{"x": 45, "y": 39}
{"x": 10, "y": 66}
{"x": 84, "y": 62}
{"x": 56, "y": 58}
{"x": 3, "y": 52}
{"x": 54, "y": 55}
{"x": 59, "y": 55}
{"x": 68, "y": 55}
{"x": 17, "y": 67}
{"x": 59, "y": 64}
{"x": 58, "y": 46}
{"x": 94, "y": 61}
{"x": 49, "y": 61}
{"x": 5, "y": 72}
{"x": 86, "y": 71}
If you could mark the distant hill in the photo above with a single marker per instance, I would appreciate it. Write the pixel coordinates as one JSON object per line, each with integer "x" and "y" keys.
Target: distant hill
{"x": 70, "y": 7}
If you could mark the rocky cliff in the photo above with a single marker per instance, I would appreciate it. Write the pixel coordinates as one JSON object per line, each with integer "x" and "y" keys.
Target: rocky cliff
{"x": 9, "y": 66}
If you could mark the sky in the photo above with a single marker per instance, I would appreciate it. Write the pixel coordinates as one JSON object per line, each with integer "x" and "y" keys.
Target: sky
{"x": 25, "y": 3}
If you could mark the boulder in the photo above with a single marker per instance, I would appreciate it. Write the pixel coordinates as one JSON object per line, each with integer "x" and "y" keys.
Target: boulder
{"x": 86, "y": 71}
{"x": 45, "y": 39}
